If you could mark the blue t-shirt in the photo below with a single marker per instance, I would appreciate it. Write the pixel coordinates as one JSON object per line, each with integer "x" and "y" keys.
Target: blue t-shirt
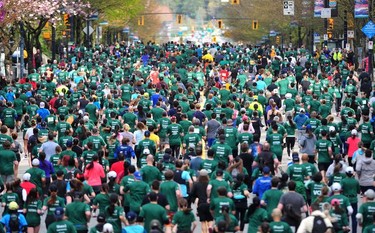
{"x": 21, "y": 218}
{"x": 134, "y": 229}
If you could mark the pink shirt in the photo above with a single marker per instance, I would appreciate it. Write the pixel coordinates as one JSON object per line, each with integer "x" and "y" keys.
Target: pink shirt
{"x": 94, "y": 175}
{"x": 352, "y": 145}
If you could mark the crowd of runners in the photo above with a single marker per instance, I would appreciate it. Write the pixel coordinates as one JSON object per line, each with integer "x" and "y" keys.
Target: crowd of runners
{"x": 156, "y": 138}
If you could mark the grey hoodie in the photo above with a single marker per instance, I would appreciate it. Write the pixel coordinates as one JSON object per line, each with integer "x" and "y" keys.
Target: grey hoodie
{"x": 307, "y": 144}
{"x": 365, "y": 169}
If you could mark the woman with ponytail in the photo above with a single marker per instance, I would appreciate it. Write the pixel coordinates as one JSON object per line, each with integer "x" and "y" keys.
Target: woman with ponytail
{"x": 51, "y": 203}
{"x": 255, "y": 215}
{"x": 32, "y": 211}
{"x": 114, "y": 214}
{"x": 290, "y": 127}
{"x": 184, "y": 220}
{"x": 94, "y": 172}
{"x": 230, "y": 220}
{"x": 101, "y": 200}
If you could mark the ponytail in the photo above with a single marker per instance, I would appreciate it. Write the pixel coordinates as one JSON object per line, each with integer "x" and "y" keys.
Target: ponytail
{"x": 53, "y": 198}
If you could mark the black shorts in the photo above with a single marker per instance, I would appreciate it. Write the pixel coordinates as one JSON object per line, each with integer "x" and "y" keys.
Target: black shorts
{"x": 204, "y": 213}
{"x": 323, "y": 166}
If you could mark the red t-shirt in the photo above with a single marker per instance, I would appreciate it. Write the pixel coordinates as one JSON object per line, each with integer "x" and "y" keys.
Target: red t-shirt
{"x": 118, "y": 167}
{"x": 224, "y": 75}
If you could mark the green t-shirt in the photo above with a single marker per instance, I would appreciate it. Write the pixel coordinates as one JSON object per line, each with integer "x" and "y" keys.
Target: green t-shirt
{"x": 150, "y": 173}
{"x": 60, "y": 202}
{"x": 8, "y": 117}
{"x": 367, "y": 210}
{"x": 369, "y": 229}
{"x": 222, "y": 152}
{"x": 280, "y": 227}
{"x": 183, "y": 221}
{"x": 350, "y": 187}
{"x": 217, "y": 203}
{"x": 215, "y": 183}
{"x": 208, "y": 164}
{"x": 124, "y": 182}
{"x": 137, "y": 190}
{"x": 256, "y": 219}
{"x": 114, "y": 218}
{"x": 169, "y": 188}
{"x": 174, "y": 131}
{"x": 272, "y": 198}
{"x": 62, "y": 226}
{"x": 315, "y": 190}
{"x": 8, "y": 158}
{"x": 322, "y": 147}
{"x": 101, "y": 200}
{"x": 297, "y": 172}
{"x": 75, "y": 212}
{"x": 8, "y": 198}
{"x": 151, "y": 212}
{"x": 32, "y": 216}
{"x": 36, "y": 176}
{"x": 276, "y": 142}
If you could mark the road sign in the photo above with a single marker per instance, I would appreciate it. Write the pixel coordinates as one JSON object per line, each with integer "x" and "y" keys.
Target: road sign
{"x": 325, "y": 37}
{"x": 350, "y": 34}
{"x": 317, "y": 38}
{"x": 91, "y": 30}
{"x": 273, "y": 33}
{"x": 370, "y": 44}
{"x": 325, "y": 13}
{"x": 369, "y": 29}
{"x": 347, "y": 46}
{"x": 288, "y": 7}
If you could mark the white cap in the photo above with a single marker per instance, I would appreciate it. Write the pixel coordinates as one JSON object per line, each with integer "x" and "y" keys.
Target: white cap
{"x": 80, "y": 112}
{"x": 112, "y": 174}
{"x": 61, "y": 94}
{"x": 86, "y": 118}
{"x": 370, "y": 194}
{"x": 354, "y": 132}
{"x": 332, "y": 129}
{"x": 35, "y": 162}
{"x": 336, "y": 187}
{"x": 26, "y": 176}
{"x": 288, "y": 95}
{"x": 302, "y": 110}
{"x": 107, "y": 228}
{"x": 349, "y": 170}
{"x": 42, "y": 105}
{"x": 146, "y": 151}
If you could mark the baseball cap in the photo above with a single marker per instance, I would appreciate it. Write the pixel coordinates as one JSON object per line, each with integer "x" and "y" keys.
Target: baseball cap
{"x": 61, "y": 94}
{"x": 349, "y": 170}
{"x": 230, "y": 122}
{"x": 112, "y": 174}
{"x": 131, "y": 216}
{"x": 147, "y": 133}
{"x": 243, "y": 110}
{"x": 13, "y": 205}
{"x": 173, "y": 118}
{"x": 137, "y": 175}
{"x": 308, "y": 127}
{"x": 266, "y": 170}
{"x": 108, "y": 228}
{"x": 295, "y": 157}
{"x": 59, "y": 212}
{"x": 146, "y": 151}
{"x": 69, "y": 143}
{"x": 336, "y": 187}
{"x": 203, "y": 172}
{"x": 354, "y": 132}
{"x": 42, "y": 105}
{"x": 101, "y": 218}
{"x": 302, "y": 110}
{"x": 35, "y": 162}
{"x": 335, "y": 202}
{"x": 370, "y": 194}
{"x": 332, "y": 129}
{"x": 26, "y": 176}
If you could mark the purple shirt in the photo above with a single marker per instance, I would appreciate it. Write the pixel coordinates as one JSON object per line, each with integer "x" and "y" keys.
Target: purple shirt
{"x": 47, "y": 167}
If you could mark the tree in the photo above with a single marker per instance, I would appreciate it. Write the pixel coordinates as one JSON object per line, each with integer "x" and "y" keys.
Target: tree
{"x": 32, "y": 16}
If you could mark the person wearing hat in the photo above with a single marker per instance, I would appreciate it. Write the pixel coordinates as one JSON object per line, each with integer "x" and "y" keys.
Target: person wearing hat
{"x": 8, "y": 164}
{"x": 144, "y": 148}
{"x": 175, "y": 132}
{"x": 137, "y": 191}
{"x": 26, "y": 185}
{"x": 101, "y": 222}
{"x": 13, "y": 218}
{"x": 366, "y": 210}
{"x": 37, "y": 176}
{"x": 344, "y": 201}
{"x": 300, "y": 119}
{"x": 153, "y": 211}
{"x": 61, "y": 225}
{"x": 263, "y": 183}
{"x": 352, "y": 144}
{"x": 78, "y": 213}
{"x": 223, "y": 152}
{"x": 42, "y": 111}
{"x": 133, "y": 226}
{"x": 351, "y": 189}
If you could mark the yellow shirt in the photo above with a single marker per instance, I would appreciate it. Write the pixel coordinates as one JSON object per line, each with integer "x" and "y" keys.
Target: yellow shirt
{"x": 155, "y": 138}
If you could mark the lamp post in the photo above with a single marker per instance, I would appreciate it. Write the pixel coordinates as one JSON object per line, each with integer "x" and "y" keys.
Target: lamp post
{"x": 53, "y": 41}
{"x": 370, "y": 48}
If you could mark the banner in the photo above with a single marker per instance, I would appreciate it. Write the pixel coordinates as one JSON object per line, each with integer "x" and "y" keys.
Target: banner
{"x": 318, "y": 6}
{"x": 360, "y": 8}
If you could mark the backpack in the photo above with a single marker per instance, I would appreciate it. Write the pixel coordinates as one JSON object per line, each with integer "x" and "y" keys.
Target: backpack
{"x": 14, "y": 223}
{"x": 319, "y": 226}
{"x": 69, "y": 174}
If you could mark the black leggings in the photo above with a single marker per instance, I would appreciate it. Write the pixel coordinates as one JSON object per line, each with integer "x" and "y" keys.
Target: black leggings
{"x": 49, "y": 220}
{"x": 240, "y": 215}
{"x": 175, "y": 151}
{"x": 290, "y": 141}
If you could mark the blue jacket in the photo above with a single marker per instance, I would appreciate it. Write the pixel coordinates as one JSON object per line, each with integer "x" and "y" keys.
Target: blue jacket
{"x": 126, "y": 150}
{"x": 262, "y": 184}
{"x": 300, "y": 119}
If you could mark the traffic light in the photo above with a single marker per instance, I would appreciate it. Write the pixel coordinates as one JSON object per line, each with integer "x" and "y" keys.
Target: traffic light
{"x": 141, "y": 21}
{"x": 277, "y": 39}
{"x": 179, "y": 19}
{"x": 255, "y": 25}
{"x": 66, "y": 20}
{"x": 330, "y": 24}
{"x": 220, "y": 24}
{"x": 235, "y": 2}
{"x": 330, "y": 35}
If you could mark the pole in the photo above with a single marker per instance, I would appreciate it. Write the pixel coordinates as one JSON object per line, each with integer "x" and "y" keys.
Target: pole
{"x": 22, "y": 45}
{"x": 72, "y": 28}
{"x": 53, "y": 42}
{"x": 371, "y": 51}
{"x": 345, "y": 27}
{"x": 299, "y": 36}
{"x": 87, "y": 33}
{"x": 326, "y": 5}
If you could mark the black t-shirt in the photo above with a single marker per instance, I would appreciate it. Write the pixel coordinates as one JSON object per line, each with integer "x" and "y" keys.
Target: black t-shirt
{"x": 247, "y": 160}
{"x": 162, "y": 200}
{"x": 199, "y": 191}
{"x": 61, "y": 187}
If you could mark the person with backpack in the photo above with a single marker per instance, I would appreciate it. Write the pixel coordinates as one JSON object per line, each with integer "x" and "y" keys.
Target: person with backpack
{"x": 61, "y": 225}
{"x": 266, "y": 158}
{"x": 14, "y": 221}
{"x": 317, "y": 222}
